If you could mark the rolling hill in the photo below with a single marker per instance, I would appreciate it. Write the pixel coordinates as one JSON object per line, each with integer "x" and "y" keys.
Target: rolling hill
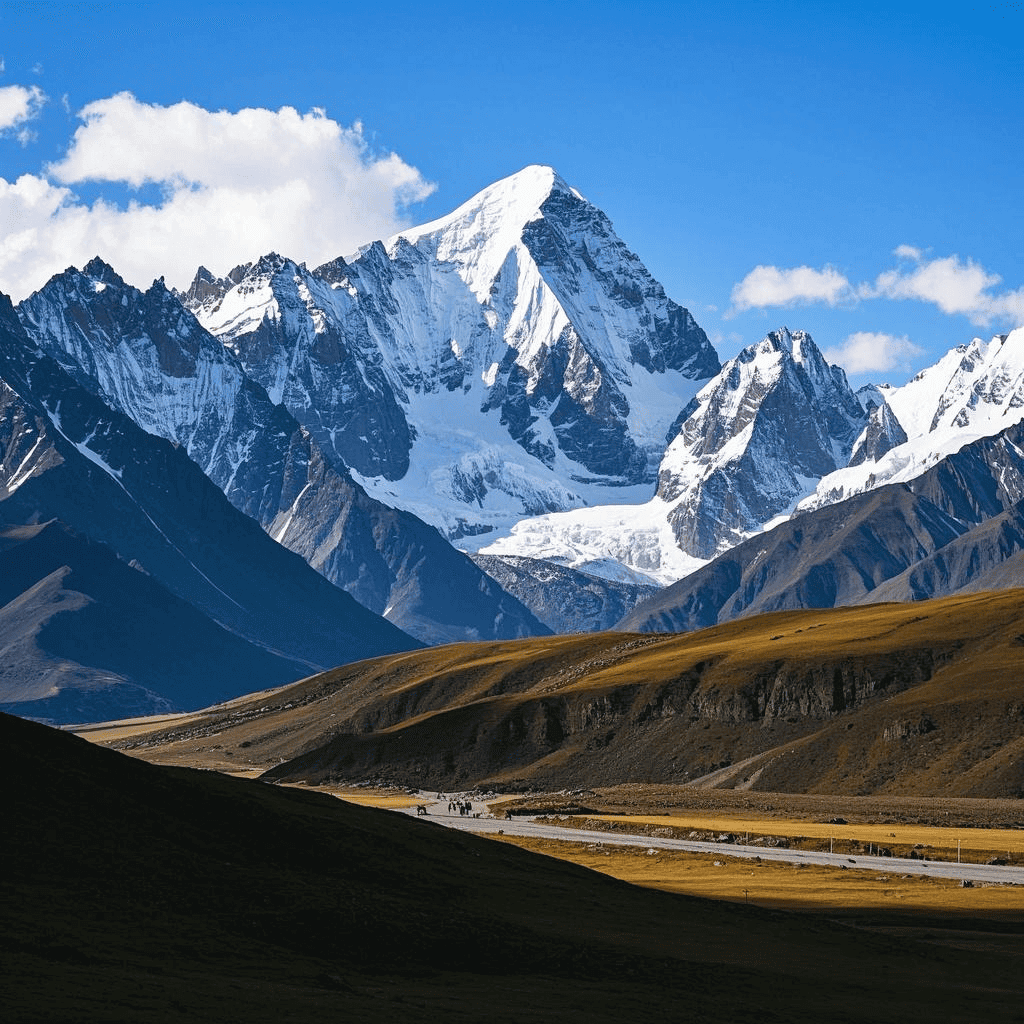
{"x": 915, "y": 699}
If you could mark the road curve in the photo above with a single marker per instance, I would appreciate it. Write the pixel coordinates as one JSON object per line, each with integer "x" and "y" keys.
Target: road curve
{"x": 438, "y": 813}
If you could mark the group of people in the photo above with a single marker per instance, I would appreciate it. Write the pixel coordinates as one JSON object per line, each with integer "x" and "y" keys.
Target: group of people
{"x": 464, "y": 807}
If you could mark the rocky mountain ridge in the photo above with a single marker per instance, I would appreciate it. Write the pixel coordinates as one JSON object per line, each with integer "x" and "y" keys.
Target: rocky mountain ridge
{"x": 147, "y": 356}
{"x": 513, "y": 375}
{"x": 114, "y": 537}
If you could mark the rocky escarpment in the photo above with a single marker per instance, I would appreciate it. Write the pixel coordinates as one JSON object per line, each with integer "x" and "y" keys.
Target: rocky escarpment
{"x": 562, "y": 733}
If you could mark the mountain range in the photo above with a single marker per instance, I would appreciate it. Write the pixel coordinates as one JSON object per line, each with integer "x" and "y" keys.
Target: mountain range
{"x": 508, "y": 383}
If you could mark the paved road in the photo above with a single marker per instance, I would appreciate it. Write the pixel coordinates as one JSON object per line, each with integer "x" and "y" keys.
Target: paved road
{"x": 522, "y": 826}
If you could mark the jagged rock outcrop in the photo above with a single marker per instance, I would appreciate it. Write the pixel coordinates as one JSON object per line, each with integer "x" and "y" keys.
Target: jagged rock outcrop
{"x": 565, "y": 600}
{"x": 882, "y": 434}
{"x": 777, "y": 415}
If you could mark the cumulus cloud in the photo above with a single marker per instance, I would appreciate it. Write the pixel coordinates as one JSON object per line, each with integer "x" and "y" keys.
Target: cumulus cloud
{"x": 869, "y": 352}
{"x": 232, "y": 187}
{"x": 908, "y": 252}
{"x": 18, "y": 105}
{"x": 955, "y": 286}
{"x": 772, "y": 286}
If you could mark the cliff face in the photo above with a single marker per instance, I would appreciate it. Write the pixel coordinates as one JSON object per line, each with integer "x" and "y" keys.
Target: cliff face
{"x": 917, "y": 699}
{"x": 564, "y": 733}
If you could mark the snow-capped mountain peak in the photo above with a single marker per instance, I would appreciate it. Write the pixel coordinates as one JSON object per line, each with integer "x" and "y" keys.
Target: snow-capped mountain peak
{"x": 754, "y": 440}
{"x": 479, "y": 235}
{"x": 509, "y": 359}
{"x": 973, "y": 391}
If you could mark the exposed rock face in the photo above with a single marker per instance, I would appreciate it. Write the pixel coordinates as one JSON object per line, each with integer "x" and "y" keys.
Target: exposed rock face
{"x": 309, "y": 348}
{"x": 565, "y": 600}
{"x": 147, "y": 356}
{"x": 882, "y": 434}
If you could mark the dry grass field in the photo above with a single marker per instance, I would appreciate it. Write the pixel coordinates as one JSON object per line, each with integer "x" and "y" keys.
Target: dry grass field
{"x": 782, "y": 886}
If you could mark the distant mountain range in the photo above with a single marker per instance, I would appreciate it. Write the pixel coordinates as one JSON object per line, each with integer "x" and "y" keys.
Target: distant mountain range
{"x": 508, "y": 382}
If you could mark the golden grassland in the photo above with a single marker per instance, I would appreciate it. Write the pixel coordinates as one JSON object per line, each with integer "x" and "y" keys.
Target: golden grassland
{"x": 776, "y": 884}
{"x": 1010, "y": 841}
{"x": 785, "y": 886}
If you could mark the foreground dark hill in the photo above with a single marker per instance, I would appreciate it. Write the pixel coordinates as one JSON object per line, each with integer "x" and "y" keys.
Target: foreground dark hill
{"x": 918, "y": 699}
{"x": 132, "y": 892}
{"x": 66, "y": 456}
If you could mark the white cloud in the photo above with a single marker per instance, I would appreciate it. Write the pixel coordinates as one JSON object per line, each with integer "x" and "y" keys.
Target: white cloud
{"x": 770, "y": 286}
{"x": 868, "y": 352}
{"x": 234, "y": 186}
{"x": 18, "y": 104}
{"x": 908, "y": 252}
{"x": 953, "y": 286}
{"x": 956, "y": 287}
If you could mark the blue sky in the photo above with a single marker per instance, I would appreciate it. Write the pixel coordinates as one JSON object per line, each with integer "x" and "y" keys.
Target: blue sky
{"x": 852, "y": 170}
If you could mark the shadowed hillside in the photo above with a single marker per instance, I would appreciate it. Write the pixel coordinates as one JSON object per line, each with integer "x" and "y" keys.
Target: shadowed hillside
{"x": 132, "y": 892}
{"x": 923, "y": 699}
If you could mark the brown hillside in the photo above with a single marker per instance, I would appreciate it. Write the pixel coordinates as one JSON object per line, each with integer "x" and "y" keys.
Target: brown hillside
{"x": 916, "y": 699}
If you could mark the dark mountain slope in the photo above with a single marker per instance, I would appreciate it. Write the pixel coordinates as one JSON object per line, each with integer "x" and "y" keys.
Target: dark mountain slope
{"x": 86, "y": 637}
{"x": 988, "y": 557}
{"x": 65, "y": 455}
{"x": 131, "y": 892}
